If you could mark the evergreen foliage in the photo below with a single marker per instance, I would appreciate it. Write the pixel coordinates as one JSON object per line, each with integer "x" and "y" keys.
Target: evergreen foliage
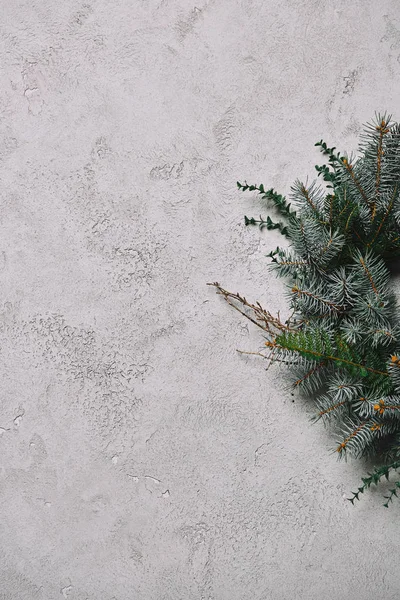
{"x": 342, "y": 341}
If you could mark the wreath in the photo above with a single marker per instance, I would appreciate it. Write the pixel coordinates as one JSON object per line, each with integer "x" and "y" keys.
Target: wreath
{"x": 342, "y": 340}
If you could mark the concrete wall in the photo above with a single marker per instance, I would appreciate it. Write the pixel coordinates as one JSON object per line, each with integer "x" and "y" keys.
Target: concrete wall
{"x": 141, "y": 457}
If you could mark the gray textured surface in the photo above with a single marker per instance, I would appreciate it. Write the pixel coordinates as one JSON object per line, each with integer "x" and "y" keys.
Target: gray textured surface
{"x": 141, "y": 457}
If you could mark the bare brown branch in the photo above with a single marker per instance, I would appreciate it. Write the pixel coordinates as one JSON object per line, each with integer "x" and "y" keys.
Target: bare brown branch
{"x": 258, "y": 315}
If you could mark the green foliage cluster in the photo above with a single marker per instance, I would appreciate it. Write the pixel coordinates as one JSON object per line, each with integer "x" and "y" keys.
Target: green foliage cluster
{"x": 343, "y": 339}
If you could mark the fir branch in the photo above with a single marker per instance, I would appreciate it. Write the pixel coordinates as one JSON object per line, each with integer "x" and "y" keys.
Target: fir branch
{"x": 331, "y": 198}
{"x": 381, "y": 407}
{"x": 333, "y": 407}
{"x": 356, "y": 431}
{"x": 372, "y": 275}
{"x": 309, "y": 374}
{"x": 320, "y": 347}
{"x": 394, "y": 371}
{"x": 383, "y": 129}
{"x": 318, "y": 300}
{"x": 310, "y": 199}
{"x": 306, "y": 194}
{"x": 385, "y": 216}
{"x": 362, "y": 262}
{"x": 362, "y": 437}
{"x": 350, "y": 170}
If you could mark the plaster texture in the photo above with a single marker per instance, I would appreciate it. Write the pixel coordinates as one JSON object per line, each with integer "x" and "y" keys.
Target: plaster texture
{"x": 141, "y": 457}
